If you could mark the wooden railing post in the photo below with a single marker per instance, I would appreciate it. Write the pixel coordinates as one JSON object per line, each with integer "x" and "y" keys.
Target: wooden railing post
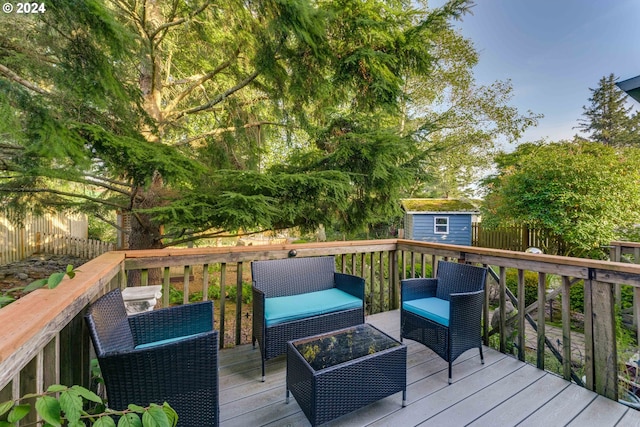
{"x": 394, "y": 280}
{"x": 601, "y": 361}
{"x": 542, "y": 293}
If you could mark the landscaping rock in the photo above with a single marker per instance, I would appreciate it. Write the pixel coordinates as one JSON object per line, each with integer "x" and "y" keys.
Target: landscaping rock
{"x": 35, "y": 267}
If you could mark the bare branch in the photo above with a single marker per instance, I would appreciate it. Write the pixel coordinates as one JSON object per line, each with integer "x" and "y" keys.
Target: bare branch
{"x": 220, "y": 97}
{"x": 61, "y": 193}
{"x": 229, "y": 129}
{"x": 197, "y": 81}
{"x": 16, "y": 78}
{"x": 112, "y": 181}
{"x": 218, "y": 234}
{"x": 176, "y": 22}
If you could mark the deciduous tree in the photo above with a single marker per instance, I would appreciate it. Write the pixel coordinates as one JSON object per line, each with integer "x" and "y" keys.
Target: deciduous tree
{"x": 581, "y": 194}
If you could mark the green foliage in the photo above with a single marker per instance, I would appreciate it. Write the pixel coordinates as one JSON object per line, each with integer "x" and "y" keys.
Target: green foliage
{"x": 576, "y": 297}
{"x": 608, "y": 119}
{"x": 216, "y": 115}
{"x": 247, "y": 294}
{"x": 530, "y": 285}
{"x": 418, "y": 270}
{"x": 100, "y": 230}
{"x": 578, "y": 193}
{"x": 8, "y": 295}
{"x": 176, "y": 296}
{"x": 62, "y": 405}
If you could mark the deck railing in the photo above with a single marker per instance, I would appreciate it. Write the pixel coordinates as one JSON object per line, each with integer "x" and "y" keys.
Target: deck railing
{"x": 43, "y": 339}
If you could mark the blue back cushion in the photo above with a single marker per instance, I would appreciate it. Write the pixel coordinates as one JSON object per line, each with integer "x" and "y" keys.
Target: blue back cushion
{"x": 294, "y": 307}
{"x": 434, "y": 309}
{"x": 162, "y": 342}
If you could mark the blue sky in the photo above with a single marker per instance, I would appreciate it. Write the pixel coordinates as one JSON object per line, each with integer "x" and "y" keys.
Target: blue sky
{"x": 553, "y": 51}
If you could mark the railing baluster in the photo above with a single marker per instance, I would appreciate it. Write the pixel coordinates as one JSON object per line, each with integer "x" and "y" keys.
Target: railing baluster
{"x": 542, "y": 294}
{"x": 381, "y": 281}
{"x": 239, "y": 303}
{"x": 502, "y": 309}
{"x": 185, "y": 284}
{"x": 223, "y": 299}
{"x": 205, "y": 282}
{"x": 521, "y": 316}
{"x": 566, "y": 328}
{"x": 413, "y": 264}
{"x": 166, "y": 286}
{"x": 372, "y": 275}
{"x": 353, "y": 263}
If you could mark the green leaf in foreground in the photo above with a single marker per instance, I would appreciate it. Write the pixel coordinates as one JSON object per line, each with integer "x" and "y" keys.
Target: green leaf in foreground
{"x": 155, "y": 417}
{"x": 6, "y": 407}
{"x": 18, "y": 412}
{"x": 49, "y": 409}
{"x": 130, "y": 420}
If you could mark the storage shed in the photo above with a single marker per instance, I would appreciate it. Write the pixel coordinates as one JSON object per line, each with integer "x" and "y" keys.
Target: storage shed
{"x": 439, "y": 220}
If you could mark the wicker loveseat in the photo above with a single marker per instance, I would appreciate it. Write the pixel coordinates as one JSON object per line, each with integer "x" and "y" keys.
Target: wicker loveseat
{"x": 170, "y": 354}
{"x": 299, "y": 297}
{"x": 445, "y": 313}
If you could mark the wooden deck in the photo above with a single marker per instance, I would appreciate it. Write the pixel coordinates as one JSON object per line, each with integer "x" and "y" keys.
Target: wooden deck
{"x": 502, "y": 392}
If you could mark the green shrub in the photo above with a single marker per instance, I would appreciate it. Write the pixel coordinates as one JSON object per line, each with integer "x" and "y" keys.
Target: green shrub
{"x": 175, "y": 296}
{"x": 214, "y": 292}
{"x": 418, "y": 270}
{"x": 576, "y": 297}
{"x": 530, "y": 285}
{"x": 247, "y": 294}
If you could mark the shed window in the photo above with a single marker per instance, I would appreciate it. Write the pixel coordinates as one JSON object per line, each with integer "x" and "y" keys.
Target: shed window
{"x": 441, "y": 225}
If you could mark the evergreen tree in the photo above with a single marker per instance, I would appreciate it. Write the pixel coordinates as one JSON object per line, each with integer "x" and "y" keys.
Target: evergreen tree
{"x": 608, "y": 119}
{"x": 211, "y": 115}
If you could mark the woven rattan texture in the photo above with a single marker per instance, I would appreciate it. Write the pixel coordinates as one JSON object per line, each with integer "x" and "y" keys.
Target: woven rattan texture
{"x": 293, "y": 276}
{"x": 330, "y": 393}
{"x": 283, "y": 277}
{"x": 183, "y": 373}
{"x": 463, "y": 286}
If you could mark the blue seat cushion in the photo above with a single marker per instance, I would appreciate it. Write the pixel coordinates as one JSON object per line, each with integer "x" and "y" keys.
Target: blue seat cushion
{"x": 162, "y": 342}
{"x": 294, "y": 307}
{"x": 434, "y": 309}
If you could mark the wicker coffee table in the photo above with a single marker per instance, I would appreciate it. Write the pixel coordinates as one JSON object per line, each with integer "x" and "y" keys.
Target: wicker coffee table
{"x": 338, "y": 372}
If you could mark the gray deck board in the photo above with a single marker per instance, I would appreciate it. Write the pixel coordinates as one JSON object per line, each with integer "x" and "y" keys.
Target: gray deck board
{"x": 502, "y": 392}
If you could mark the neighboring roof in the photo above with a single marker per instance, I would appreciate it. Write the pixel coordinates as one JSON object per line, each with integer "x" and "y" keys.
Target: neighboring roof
{"x": 631, "y": 86}
{"x": 438, "y": 206}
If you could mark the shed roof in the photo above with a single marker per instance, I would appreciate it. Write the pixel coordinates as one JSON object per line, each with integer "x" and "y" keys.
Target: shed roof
{"x": 631, "y": 86}
{"x": 439, "y": 206}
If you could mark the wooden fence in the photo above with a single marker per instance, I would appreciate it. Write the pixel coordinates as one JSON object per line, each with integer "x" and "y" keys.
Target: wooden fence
{"x": 19, "y": 241}
{"x": 514, "y": 238}
{"x": 68, "y": 245}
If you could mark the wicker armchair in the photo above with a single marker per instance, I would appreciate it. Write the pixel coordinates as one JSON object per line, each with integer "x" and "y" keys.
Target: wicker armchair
{"x": 274, "y": 279}
{"x": 445, "y": 313}
{"x": 169, "y": 354}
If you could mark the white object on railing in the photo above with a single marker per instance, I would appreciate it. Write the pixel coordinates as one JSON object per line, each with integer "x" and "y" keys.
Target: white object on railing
{"x": 141, "y": 298}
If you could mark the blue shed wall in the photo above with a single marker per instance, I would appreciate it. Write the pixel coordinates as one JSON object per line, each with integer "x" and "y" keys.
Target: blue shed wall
{"x": 421, "y": 227}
